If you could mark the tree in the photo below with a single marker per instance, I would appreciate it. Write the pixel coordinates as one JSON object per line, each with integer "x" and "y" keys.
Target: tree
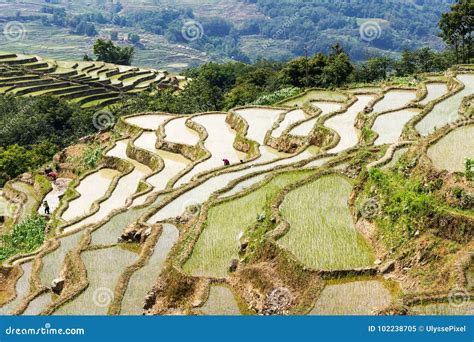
{"x": 242, "y": 94}
{"x": 407, "y": 65}
{"x": 107, "y": 52}
{"x": 339, "y": 67}
{"x": 114, "y": 36}
{"x": 423, "y": 60}
{"x": 90, "y": 30}
{"x": 375, "y": 69}
{"x": 456, "y": 29}
{"x": 134, "y": 38}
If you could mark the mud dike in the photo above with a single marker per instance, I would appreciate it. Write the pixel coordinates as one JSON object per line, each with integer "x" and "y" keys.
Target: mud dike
{"x": 164, "y": 226}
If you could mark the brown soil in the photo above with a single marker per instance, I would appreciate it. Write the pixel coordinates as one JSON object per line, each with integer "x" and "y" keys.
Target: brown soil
{"x": 273, "y": 284}
{"x": 8, "y": 278}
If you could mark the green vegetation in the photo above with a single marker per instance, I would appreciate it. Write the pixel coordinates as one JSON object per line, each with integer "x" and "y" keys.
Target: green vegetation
{"x": 277, "y": 96}
{"x": 227, "y": 27}
{"x": 216, "y": 87}
{"x": 406, "y": 202}
{"x": 34, "y": 129}
{"x": 411, "y": 62}
{"x": 322, "y": 233}
{"x": 417, "y": 219}
{"x": 218, "y": 243}
{"x": 314, "y": 95}
{"x": 106, "y": 51}
{"x": 469, "y": 168}
{"x": 456, "y": 29}
{"x": 15, "y": 159}
{"x": 24, "y": 238}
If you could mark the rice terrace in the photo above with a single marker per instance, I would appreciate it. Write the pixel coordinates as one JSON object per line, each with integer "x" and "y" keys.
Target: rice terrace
{"x": 291, "y": 223}
{"x": 317, "y": 184}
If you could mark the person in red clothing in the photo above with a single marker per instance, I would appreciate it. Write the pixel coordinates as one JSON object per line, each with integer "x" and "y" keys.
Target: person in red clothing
{"x": 226, "y": 162}
{"x": 53, "y": 175}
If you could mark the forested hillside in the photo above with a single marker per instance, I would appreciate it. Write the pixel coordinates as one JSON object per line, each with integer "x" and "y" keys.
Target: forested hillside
{"x": 402, "y": 24}
{"x": 181, "y": 33}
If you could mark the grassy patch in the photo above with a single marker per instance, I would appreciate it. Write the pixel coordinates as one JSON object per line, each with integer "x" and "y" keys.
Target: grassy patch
{"x": 322, "y": 234}
{"x": 218, "y": 243}
{"x": 316, "y": 95}
{"x": 25, "y": 237}
{"x": 277, "y": 96}
{"x": 404, "y": 204}
{"x": 415, "y": 223}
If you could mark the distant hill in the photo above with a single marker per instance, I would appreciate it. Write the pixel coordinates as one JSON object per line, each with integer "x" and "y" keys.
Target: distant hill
{"x": 361, "y": 26}
{"x": 181, "y": 33}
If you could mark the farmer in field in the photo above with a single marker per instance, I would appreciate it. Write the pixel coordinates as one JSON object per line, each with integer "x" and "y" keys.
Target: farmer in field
{"x": 46, "y": 208}
{"x": 53, "y": 175}
{"x": 226, "y": 162}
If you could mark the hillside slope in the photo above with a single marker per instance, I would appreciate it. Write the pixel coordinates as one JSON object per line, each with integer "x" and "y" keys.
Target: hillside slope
{"x": 225, "y": 30}
{"x": 330, "y": 202}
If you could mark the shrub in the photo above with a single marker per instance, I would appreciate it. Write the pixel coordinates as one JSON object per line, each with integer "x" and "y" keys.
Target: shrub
{"x": 278, "y": 96}
{"x": 469, "y": 164}
{"x": 25, "y": 237}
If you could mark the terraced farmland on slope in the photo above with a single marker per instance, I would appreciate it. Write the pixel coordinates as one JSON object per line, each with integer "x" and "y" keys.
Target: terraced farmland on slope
{"x": 163, "y": 225}
{"x": 88, "y": 84}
